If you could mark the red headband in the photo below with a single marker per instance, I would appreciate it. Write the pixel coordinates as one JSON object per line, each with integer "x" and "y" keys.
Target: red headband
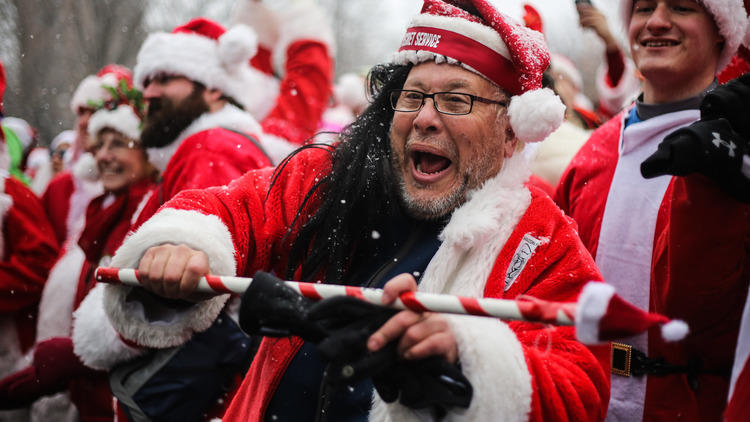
{"x": 479, "y": 57}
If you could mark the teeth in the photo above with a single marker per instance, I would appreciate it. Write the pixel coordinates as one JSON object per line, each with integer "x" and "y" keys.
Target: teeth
{"x": 660, "y": 43}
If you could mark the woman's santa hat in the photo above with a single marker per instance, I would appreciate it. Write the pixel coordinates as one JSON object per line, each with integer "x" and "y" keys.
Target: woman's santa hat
{"x": 123, "y": 119}
{"x": 602, "y": 315}
{"x": 476, "y": 36}
{"x": 205, "y": 52}
{"x": 91, "y": 89}
{"x": 730, "y": 17}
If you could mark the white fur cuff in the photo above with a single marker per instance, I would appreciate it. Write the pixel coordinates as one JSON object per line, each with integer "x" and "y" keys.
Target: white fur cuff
{"x": 95, "y": 341}
{"x": 154, "y": 325}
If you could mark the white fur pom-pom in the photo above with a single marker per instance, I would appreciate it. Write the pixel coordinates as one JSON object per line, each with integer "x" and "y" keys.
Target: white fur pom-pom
{"x": 674, "y": 330}
{"x": 238, "y": 45}
{"x": 535, "y": 114}
{"x": 86, "y": 168}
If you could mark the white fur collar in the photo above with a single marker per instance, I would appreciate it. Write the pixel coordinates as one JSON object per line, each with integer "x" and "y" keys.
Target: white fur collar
{"x": 477, "y": 231}
{"x": 229, "y": 117}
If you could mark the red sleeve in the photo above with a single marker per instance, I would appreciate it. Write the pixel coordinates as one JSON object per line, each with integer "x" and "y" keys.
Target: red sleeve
{"x": 305, "y": 91}
{"x": 615, "y": 67}
{"x": 30, "y": 249}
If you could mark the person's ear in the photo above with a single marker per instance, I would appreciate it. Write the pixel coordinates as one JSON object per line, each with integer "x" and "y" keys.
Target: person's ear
{"x": 212, "y": 96}
{"x": 511, "y": 142}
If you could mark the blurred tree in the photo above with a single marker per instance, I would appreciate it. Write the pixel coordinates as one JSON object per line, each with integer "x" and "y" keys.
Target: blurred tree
{"x": 59, "y": 42}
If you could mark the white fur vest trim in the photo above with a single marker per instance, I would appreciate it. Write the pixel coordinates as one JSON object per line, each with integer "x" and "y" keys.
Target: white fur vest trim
{"x": 488, "y": 349}
{"x": 229, "y": 117}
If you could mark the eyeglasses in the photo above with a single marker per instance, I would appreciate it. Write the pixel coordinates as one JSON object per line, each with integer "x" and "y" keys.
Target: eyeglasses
{"x": 115, "y": 145}
{"x": 451, "y": 103}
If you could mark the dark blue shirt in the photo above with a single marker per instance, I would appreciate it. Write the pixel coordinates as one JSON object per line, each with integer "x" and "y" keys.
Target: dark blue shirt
{"x": 405, "y": 246}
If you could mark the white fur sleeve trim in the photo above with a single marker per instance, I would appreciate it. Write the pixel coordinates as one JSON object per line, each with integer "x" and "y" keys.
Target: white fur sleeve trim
{"x": 492, "y": 359}
{"x": 615, "y": 98}
{"x": 130, "y": 316}
{"x": 95, "y": 341}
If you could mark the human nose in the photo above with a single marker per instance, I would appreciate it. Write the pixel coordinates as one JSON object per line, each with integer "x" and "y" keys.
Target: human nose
{"x": 660, "y": 19}
{"x": 152, "y": 90}
{"x": 428, "y": 118}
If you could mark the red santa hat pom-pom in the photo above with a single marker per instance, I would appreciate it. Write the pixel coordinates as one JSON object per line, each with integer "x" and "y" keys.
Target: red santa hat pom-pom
{"x": 535, "y": 114}
{"x": 602, "y": 315}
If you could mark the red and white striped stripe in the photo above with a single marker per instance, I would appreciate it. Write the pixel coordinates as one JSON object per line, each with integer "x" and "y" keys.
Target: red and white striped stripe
{"x": 524, "y": 309}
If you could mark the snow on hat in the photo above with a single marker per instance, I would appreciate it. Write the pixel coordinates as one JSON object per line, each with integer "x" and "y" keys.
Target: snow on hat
{"x": 602, "y": 315}
{"x": 22, "y": 129}
{"x": 730, "y": 17}
{"x": 205, "y": 52}
{"x": 476, "y": 36}
{"x": 91, "y": 88}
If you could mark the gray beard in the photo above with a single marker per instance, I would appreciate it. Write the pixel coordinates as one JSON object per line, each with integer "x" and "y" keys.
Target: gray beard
{"x": 428, "y": 210}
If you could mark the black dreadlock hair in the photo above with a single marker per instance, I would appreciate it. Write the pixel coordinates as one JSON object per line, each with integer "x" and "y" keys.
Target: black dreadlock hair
{"x": 358, "y": 195}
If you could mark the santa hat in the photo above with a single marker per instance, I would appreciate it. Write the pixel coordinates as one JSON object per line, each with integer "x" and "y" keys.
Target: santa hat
{"x": 123, "y": 119}
{"x": 67, "y": 136}
{"x": 91, "y": 89}
{"x": 22, "y": 129}
{"x": 602, "y": 315}
{"x": 730, "y": 17}
{"x": 205, "y": 52}
{"x": 475, "y": 35}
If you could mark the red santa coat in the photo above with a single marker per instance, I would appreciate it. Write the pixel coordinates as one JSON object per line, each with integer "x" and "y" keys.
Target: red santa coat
{"x": 521, "y": 372}
{"x": 28, "y": 249}
{"x": 673, "y": 245}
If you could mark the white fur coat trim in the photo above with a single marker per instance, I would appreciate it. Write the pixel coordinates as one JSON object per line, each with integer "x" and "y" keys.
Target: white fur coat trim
{"x": 472, "y": 240}
{"x": 95, "y": 341}
{"x": 130, "y": 316}
{"x": 56, "y": 305}
{"x": 229, "y": 117}
{"x": 6, "y": 202}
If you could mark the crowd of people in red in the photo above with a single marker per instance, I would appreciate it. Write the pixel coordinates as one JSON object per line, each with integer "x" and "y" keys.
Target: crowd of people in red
{"x": 229, "y": 151}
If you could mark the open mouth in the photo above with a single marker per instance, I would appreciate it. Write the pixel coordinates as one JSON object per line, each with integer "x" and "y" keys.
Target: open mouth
{"x": 429, "y": 163}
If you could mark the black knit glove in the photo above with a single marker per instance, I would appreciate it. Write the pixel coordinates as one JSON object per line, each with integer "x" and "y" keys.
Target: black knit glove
{"x": 710, "y": 147}
{"x": 730, "y": 101}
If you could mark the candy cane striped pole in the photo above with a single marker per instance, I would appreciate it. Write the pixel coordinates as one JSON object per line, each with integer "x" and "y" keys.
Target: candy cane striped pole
{"x": 524, "y": 309}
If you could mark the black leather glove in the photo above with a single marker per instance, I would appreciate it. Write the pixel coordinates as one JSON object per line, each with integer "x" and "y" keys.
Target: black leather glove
{"x": 271, "y": 308}
{"x": 732, "y": 102}
{"x": 426, "y": 383}
{"x": 710, "y": 147}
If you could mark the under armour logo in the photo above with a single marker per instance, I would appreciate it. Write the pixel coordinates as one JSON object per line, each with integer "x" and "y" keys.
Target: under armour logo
{"x": 717, "y": 141}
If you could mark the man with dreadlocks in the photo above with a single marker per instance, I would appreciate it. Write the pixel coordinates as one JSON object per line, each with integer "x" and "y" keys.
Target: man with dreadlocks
{"x": 426, "y": 188}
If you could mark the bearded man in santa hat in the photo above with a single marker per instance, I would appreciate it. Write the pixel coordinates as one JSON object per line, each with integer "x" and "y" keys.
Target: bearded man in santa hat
{"x": 673, "y": 245}
{"x": 205, "y": 100}
{"x": 427, "y": 190}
